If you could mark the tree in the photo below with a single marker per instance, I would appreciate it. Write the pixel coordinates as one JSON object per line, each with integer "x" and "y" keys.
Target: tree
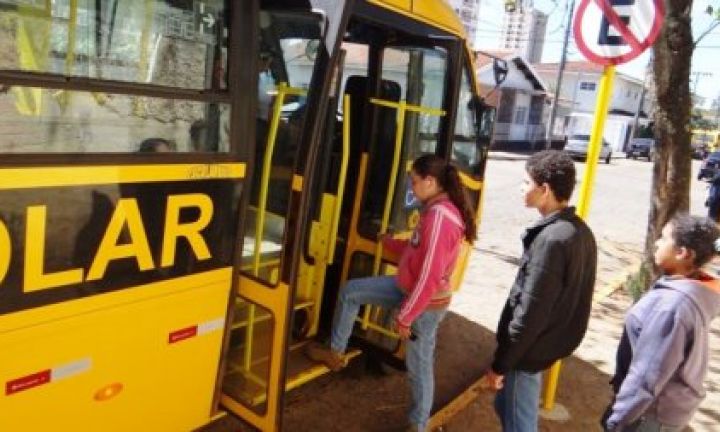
{"x": 671, "y": 171}
{"x": 698, "y": 120}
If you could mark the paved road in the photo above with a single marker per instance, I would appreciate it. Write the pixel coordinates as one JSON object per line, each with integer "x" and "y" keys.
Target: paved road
{"x": 618, "y": 217}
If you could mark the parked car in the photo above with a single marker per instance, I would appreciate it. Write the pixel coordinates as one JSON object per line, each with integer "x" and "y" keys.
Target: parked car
{"x": 641, "y": 147}
{"x": 700, "y": 152}
{"x": 577, "y": 148}
{"x": 710, "y": 166}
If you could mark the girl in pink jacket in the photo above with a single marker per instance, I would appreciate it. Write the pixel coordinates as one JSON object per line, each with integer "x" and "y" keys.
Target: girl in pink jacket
{"x": 421, "y": 288}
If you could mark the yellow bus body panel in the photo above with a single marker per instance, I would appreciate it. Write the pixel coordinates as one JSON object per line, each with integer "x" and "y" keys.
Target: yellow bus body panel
{"x": 395, "y": 4}
{"x": 437, "y": 13}
{"x": 110, "y": 355}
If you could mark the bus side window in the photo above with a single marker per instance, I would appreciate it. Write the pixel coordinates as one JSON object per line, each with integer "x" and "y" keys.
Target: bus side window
{"x": 471, "y": 132}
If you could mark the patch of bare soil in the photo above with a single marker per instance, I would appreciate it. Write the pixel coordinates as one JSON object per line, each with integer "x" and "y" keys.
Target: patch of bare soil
{"x": 365, "y": 398}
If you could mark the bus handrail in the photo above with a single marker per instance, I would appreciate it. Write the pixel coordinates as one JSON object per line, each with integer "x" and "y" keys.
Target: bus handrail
{"x": 281, "y": 90}
{"x": 341, "y": 179}
{"x": 402, "y": 107}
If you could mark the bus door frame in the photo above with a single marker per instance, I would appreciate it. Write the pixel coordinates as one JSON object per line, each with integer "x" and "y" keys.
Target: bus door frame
{"x": 455, "y": 53}
{"x": 280, "y": 299}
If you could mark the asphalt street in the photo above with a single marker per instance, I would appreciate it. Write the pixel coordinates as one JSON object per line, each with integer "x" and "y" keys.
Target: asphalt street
{"x": 618, "y": 217}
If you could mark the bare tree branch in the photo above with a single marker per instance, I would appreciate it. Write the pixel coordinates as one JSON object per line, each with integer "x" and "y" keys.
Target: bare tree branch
{"x": 705, "y": 33}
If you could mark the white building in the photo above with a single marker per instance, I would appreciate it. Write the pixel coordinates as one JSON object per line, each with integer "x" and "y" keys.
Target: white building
{"x": 468, "y": 11}
{"x": 520, "y": 101}
{"x": 578, "y": 96}
{"x": 523, "y": 32}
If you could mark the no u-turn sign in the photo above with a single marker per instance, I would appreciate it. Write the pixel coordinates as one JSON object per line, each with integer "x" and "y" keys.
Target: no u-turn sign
{"x": 611, "y": 32}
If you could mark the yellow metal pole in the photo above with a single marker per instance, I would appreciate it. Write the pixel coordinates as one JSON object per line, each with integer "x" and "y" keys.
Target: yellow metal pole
{"x": 265, "y": 174}
{"x": 583, "y": 206}
{"x": 402, "y": 108}
{"x": 601, "y": 109}
{"x": 282, "y": 90}
{"x": 400, "y": 131}
{"x": 341, "y": 179}
{"x": 391, "y": 187}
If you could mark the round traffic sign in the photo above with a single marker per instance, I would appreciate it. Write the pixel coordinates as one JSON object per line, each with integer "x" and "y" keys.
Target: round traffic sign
{"x": 616, "y": 31}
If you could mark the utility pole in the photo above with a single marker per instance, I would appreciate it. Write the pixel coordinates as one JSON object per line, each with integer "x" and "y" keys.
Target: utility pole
{"x": 558, "y": 83}
{"x": 641, "y": 101}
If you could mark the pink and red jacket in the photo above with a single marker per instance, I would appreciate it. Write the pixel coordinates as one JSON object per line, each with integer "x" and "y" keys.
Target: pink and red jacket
{"x": 428, "y": 258}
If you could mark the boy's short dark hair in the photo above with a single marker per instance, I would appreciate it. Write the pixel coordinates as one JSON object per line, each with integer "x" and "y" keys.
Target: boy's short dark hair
{"x": 697, "y": 234}
{"x": 554, "y": 168}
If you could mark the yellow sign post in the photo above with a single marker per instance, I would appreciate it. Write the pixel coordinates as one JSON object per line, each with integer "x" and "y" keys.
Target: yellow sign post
{"x": 583, "y": 204}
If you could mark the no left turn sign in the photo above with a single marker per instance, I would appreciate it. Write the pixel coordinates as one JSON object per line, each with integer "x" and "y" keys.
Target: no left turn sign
{"x": 611, "y": 32}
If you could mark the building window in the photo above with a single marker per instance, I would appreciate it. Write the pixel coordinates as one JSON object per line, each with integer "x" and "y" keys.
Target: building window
{"x": 520, "y": 115}
{"x": 536, "y": 109}
{"x": 585, "y": 85}
{"x": 506, "y": 106}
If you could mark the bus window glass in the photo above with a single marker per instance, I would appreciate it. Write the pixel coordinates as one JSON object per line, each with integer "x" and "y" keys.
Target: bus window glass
{"x": 417, "y": 76}
{"x": 466, "y": 151}
{"x": 36, "y": 120}
{"x": 421, "y": 74}
{"x": 356, "y": 64}
{"x": 174, "y": 43}
{"x": 287, "y": 54}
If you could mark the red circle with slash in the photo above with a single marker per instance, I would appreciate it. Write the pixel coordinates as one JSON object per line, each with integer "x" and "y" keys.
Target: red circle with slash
{"x": 637, "y": 45}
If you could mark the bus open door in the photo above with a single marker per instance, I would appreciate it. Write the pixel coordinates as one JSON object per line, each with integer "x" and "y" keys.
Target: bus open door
{"x": 397, "y": 93}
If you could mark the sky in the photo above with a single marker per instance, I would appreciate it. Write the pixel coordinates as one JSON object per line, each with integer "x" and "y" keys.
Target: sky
{"x": 706, "y": 58}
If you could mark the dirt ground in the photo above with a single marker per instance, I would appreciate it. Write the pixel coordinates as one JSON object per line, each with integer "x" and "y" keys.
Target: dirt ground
{"x": 372, "y": 401}
{"x": 368, "y": 400}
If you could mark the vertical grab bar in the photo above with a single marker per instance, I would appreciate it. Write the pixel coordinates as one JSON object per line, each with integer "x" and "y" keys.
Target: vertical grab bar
{"x": 341, "y": 179}
{"x": 400, "y": 130}
{"x": 282, "y": 90}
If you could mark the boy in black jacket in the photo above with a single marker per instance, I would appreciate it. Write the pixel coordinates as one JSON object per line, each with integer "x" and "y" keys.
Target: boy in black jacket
{"x": 548, "y": 308}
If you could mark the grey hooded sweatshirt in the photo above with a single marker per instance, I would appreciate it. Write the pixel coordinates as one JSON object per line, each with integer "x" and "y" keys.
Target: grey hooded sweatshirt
{"x": 668, "y": 333}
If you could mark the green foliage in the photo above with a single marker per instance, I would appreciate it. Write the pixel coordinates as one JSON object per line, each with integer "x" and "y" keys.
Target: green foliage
{"x": 637, "y": 283}
{"x": 646, "y": 131}
{"x": 698, "y": 121}
{"x": 715, "y": 13}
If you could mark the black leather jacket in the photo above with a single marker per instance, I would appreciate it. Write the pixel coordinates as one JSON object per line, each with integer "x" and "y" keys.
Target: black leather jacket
{"x": 548, "y": 308}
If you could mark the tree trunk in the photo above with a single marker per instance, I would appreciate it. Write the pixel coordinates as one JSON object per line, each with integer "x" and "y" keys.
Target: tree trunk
{"x": 671, "y": 172}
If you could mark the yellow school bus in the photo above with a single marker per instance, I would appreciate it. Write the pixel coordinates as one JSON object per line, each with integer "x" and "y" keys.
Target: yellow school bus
{"x": 704, "y": 141}
{"x": 186, "y": 184}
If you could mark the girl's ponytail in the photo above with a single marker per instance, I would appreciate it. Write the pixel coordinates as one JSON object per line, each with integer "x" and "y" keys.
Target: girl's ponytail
{"x": 457, "y": 194}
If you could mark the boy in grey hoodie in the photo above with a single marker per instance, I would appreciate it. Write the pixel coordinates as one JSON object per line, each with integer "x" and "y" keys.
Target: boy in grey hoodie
{"x": 663, "y": 355}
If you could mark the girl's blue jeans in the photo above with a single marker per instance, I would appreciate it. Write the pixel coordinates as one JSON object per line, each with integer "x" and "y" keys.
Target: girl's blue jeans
{"x": 384, "y": 292}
